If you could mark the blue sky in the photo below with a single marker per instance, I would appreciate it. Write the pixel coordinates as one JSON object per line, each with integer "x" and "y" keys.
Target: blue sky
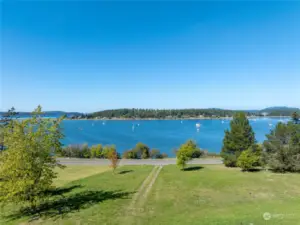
{"x": 88, "y": 56}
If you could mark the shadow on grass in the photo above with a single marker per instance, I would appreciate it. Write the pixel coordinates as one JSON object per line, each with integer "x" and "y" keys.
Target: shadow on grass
{"x": 254, "y": 170}
{"x": 60, "y": 207}
{"x": 61, "y": 191}
{"x": 193, "y": 168}
{"x": 125, "y": 171}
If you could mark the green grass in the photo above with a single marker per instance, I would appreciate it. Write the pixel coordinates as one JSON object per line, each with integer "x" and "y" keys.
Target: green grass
{"x": 98, "y": 199}
{"x": 75, "y": 172}
{"x": 206, "y": 195}
{"x": 218, "y": 195}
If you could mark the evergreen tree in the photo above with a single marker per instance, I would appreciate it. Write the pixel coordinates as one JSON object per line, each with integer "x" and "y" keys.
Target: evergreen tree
{"x": 238, "y": 139}
{"x": 295, "y": 117}
{"x": 282, "y": 148}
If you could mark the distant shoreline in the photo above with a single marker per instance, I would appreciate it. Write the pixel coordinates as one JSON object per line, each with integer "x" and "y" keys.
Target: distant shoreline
{"x": 191, "y": 118}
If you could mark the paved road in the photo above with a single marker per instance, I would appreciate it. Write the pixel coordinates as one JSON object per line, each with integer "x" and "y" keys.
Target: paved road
{"x": 74, "y": 161}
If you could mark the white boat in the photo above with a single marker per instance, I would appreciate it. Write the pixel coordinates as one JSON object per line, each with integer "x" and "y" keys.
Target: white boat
{"x": 198, "y": 125}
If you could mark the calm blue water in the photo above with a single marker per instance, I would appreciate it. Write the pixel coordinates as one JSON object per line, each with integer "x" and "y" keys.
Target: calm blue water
{"x": 164, "y": 135}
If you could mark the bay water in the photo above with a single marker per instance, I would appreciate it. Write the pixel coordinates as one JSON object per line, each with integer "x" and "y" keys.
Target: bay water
{"x": 165, "y": 135}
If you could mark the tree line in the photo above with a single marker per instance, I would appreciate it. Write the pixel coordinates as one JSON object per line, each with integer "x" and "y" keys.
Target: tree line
{"x": 180, "y": 113}
{"x": 162, "y": 113}
{"x": 280, "y": 152}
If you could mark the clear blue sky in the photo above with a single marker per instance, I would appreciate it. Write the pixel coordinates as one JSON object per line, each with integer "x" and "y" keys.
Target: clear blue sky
{"x": 87, "y": 56}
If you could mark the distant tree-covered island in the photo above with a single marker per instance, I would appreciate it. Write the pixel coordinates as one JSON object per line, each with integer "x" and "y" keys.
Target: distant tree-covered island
{"x": 134, "y": 113}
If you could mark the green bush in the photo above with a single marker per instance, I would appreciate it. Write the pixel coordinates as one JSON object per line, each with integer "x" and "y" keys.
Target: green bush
{"x": 96, "y": 151}
{"x": 229, "y": 160}
{"x": 85, "y": 151}
{"x": 142, "y": 151}
{"x": 250, "y": 158}
{"x": 154, "y": 153}
{"x": 129, "y": 154}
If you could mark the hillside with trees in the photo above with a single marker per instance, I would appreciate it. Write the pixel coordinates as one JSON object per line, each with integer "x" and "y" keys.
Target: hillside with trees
{"x": 187, "y": 113}
{"x": 162, "y": 113}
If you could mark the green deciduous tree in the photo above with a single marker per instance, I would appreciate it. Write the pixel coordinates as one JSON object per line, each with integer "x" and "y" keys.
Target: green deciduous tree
{"x": 96, "y": 151}
{"x": 27, "y": 165}
{"x": 282, "y": 148}
{"x": 238, "y": 139}
{"x": 142, "y": 151}
{"x": 185, "y": 153}
{"x": 6, "y": 118}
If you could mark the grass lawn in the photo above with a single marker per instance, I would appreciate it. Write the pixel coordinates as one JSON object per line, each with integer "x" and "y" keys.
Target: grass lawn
{"x": 206, "y": 195}
{"x": 75, "y": 172}
{"x": 97, "y": 199}
{"x": 218, "y": 195}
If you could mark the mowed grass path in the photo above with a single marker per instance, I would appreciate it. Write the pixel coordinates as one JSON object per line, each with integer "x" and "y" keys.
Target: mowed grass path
{"x": 213, "y": 194}
{"x": 98, "y": 199}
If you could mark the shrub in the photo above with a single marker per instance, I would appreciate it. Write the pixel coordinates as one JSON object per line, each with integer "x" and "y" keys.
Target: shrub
{"x": 229, "y": 160}
{"x": 129, "y": 154}
{"x": 85, "y": 151}
{"x": 250, "y": 158}
{"x": 107, "y": 150}
{"x": 142, "y": 151}
{"x": 96, "y": 151}
{"x": 154, "y": 153}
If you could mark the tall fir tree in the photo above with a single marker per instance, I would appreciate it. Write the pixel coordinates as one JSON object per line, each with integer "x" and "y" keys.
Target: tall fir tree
{"x": 238, "y": 139}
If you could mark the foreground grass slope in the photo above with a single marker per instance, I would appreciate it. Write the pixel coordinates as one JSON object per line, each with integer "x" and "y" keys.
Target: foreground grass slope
{"x": 208, "y": 195}
{"x": 218, "y": 195}
{"x": 97, "y": 199}
{"x": 75, "y": 172}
